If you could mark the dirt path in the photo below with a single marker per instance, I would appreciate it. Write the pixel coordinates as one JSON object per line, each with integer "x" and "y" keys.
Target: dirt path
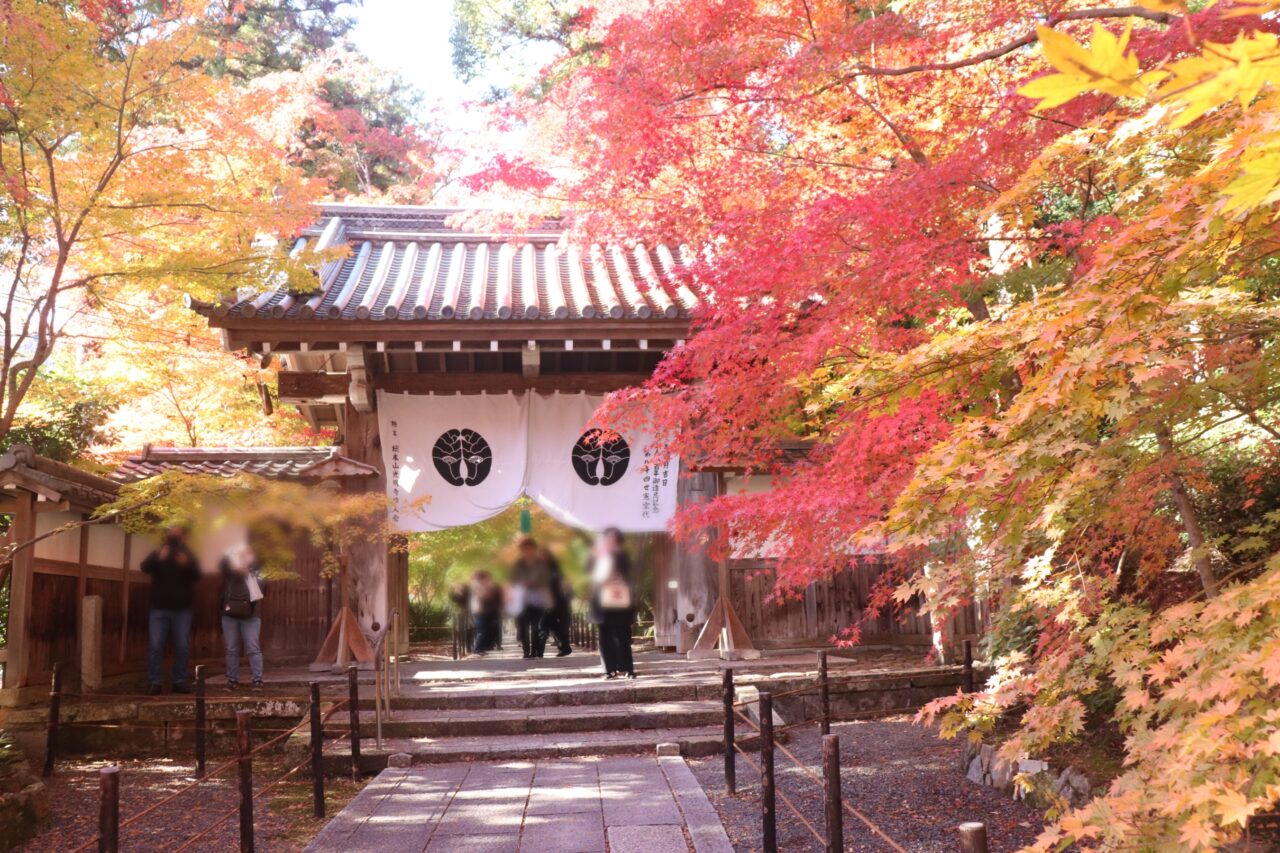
{"x": 895, "y": 772}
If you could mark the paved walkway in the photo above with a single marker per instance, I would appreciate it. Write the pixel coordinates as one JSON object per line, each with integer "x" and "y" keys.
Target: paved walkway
{"x": 641, "y": 805}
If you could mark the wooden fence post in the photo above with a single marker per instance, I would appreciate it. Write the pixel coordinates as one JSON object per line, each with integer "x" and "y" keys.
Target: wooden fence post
{"x": 245, "y": 749}
{"x": 973, "y": 837}
{"x": 317, "y": 752}
{"x": 730, "y": 756}
{"x": 55, "y": 713}
{"x": 201, "y": 721}
{"x": 824, "y": 693}
{"x": 831, "y": 778}
{"x": 109, "y": 810}
{"x": 353, "y": 699}
{"x": 768, "y": 805}
{"x": 968, "y": 666}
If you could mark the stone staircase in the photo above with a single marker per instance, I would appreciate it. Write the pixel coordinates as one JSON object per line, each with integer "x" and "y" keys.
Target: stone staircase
{"x": 456, "y": 723}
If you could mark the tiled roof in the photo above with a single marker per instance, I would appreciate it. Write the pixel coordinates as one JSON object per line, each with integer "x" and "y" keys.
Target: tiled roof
{"x": 409, "y": 263}
{"x": 280, "y": 463}
{"x": 22, "y": 467}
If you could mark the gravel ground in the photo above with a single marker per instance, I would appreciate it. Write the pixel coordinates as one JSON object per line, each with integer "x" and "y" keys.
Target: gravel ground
{"x": 282, "y": 817}
{"x": 897, "y": 773}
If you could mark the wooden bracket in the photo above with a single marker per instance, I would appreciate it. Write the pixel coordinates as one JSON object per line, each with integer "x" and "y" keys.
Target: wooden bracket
{"x": 359, "y": 390}
{"x": 724, "y": 636}
{"x": 345, "y": 643}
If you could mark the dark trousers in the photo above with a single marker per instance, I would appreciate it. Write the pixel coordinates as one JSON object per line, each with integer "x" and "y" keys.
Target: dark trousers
{"x": 615, "y": 641}
{"x": 533, "y": 634}
{"x": 165, "y": 625}
{"x": 556, "y": 624}
{"x": 486, "y": 631}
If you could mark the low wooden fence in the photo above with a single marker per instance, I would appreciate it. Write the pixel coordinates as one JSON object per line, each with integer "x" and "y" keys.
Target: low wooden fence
{"x": 972, "y": 835}
{"x": 386, "y": 681}
{"x": 110, "y": 824}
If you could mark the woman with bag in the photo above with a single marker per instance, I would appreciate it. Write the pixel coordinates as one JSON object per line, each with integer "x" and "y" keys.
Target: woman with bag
{"x": 612, "y": 606}
{"x": 241, "y": 623}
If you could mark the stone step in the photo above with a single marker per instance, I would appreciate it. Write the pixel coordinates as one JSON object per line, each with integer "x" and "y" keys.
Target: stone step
{"x": 697, "y": 741}
{"x": 471, "y": 698}
{"x": 552, "y": 719}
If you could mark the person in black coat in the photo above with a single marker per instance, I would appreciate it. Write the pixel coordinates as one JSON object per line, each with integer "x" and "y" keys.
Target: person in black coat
{"x": 174, "y": 571}
{"x": 613, "y": 603}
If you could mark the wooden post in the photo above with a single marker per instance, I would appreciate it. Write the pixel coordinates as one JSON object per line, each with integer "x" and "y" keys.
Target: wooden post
{"x": 395, "y": 649}
{"x": 377, "y": 690}
{"x": 353, "y": 696}
{"x": 831, "y": 787}
{"x": 201, "y": 721}
{"x": 973, "y": 837}
{"x": 453, "y": 632}
{"x": 55, "y": 712}
{"x": 317, "y": 752}
{"x": 109, "y": 810}
{"x": 245, "y": 745}
{"x": 968, "y": 666}
{"x": 730, "y": 753}
{"x": 824, "y": 693}
{"x": 768, "y": 806}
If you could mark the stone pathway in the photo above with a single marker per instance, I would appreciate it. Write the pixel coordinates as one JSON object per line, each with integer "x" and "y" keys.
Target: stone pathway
{"x": 640, "y": 805}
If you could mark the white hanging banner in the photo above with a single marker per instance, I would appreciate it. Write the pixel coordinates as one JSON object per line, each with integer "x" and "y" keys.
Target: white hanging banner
{"x": 452, "y": 460}
{"x": 590, "y": 484}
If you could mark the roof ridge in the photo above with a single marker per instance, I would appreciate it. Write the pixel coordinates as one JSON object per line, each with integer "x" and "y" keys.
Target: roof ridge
{"x": 222, "y": 451}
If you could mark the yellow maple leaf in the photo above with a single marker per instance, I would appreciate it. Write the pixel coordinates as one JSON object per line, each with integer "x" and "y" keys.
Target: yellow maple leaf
{"x": 1234, "y": 807}
{"x": 1104, "y": 66}
{"x": 1197, "y": 833}
{"x": 1257, "y": 184}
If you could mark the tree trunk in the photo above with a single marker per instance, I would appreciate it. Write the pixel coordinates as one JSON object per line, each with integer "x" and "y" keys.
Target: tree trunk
{"x": 1187, "y": 512}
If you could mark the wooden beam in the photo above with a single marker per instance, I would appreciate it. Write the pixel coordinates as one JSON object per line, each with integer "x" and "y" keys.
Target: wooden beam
{"x": 239, "y": 332}
{"x": 328, "y": 387}
{"x": 531, "y": 361}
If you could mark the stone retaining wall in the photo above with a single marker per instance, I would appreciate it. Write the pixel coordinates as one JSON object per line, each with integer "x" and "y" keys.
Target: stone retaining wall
{"x": 858, "y": 697}
{"x": 24, "y": 806}
{"x": 1026, "y": 779}
{"x": 136, "y": 729}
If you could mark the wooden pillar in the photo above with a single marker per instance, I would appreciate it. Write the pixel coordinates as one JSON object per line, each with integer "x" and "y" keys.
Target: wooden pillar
{"x": 723, "y": 635}
{"x": 694, "y": 573}
{"x": 124, "y": 598}
{"x": 666, "y": 628}
{"x": 17, "y": 665}
{"x": 368, "y": 562}
{"x": 398, "y": 590}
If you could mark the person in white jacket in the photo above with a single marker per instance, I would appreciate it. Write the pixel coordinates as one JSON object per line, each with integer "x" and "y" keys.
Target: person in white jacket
{"x": 241, "y": 621}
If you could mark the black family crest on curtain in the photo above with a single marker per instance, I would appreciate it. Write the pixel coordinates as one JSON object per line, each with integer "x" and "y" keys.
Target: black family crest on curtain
{"x": 462, "y": 456}
{"x": 600, "y": 463}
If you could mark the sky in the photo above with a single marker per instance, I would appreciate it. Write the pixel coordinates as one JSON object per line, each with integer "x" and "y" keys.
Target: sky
{"x": 412, "y": 37}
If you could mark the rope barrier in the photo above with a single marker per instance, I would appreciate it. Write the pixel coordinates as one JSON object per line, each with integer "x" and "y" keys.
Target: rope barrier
{"x": 786, "y": 800}
{"x": 234, "y": 810}
{"x": 804, "y": 768}
{"x": 210, "y": 828}
{"x": 217, "y": 770}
